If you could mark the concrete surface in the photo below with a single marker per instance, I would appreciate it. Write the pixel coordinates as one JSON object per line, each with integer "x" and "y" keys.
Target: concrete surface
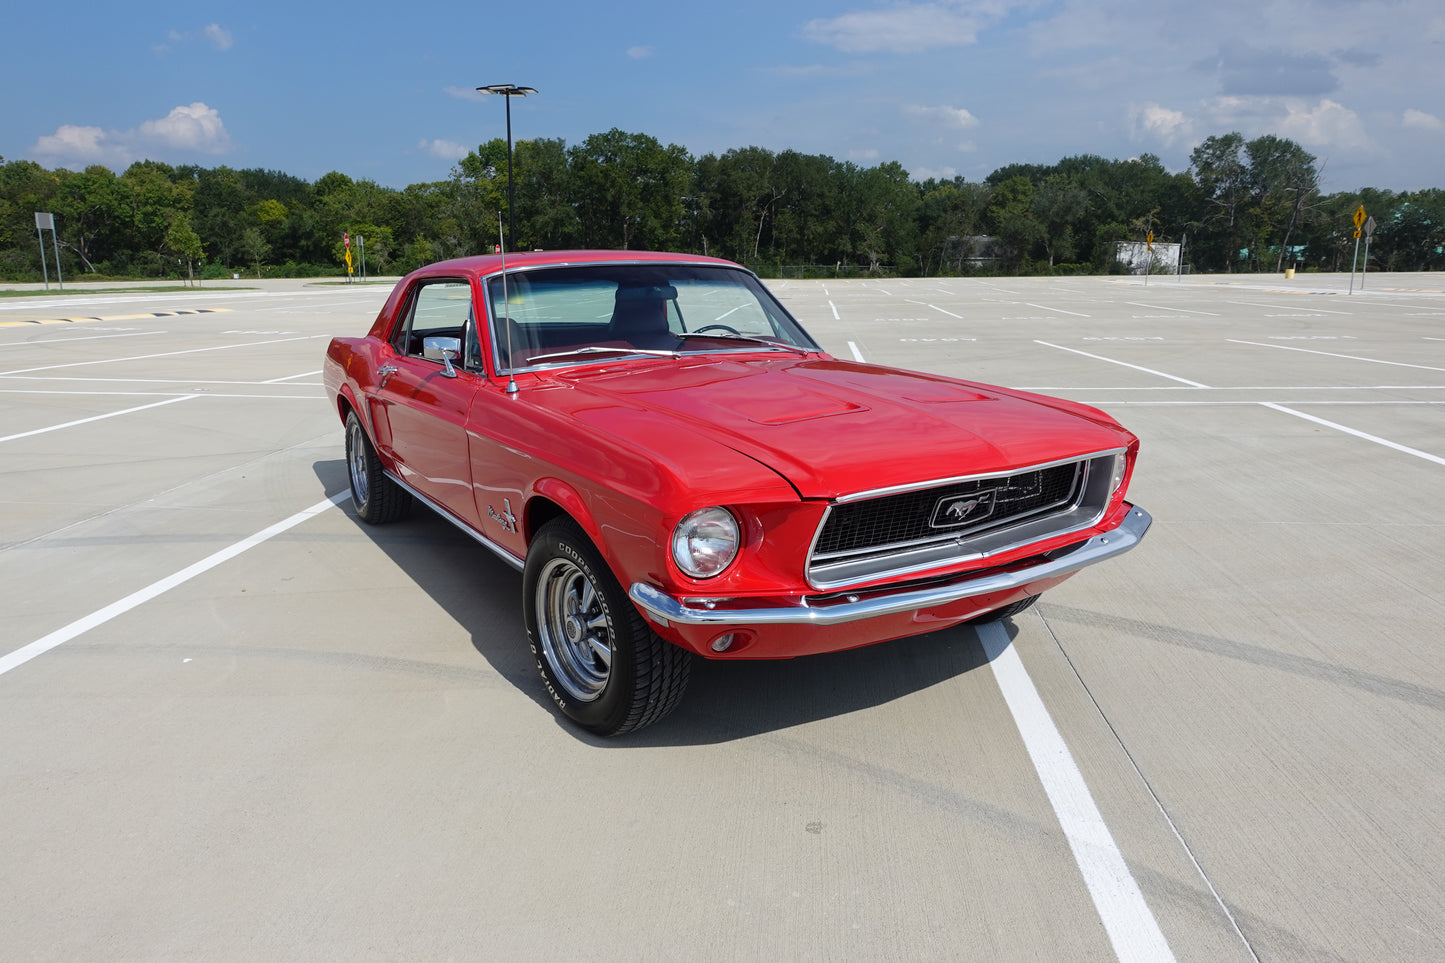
{"x": 332, "y": 745}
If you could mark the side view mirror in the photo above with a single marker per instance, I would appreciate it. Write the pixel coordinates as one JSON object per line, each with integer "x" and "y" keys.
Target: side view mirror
{"x": 445, "y": 350}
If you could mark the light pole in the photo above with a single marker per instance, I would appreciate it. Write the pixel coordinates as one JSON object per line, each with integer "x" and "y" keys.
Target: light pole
{"x": 509, "y": 91}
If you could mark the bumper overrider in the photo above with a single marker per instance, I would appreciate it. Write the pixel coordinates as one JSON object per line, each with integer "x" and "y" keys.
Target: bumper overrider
{"x": 842, "y": 608}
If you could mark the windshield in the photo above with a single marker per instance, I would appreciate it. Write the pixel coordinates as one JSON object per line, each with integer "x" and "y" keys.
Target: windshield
{"x": 569, "y": 315}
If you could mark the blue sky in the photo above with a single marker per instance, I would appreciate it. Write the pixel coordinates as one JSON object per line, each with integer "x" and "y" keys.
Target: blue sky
{"x": 386, "y": 91}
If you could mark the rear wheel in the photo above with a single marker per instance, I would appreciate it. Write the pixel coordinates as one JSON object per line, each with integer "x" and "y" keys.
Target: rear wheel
{"x": 601, "y": 663}
{"x": 376, "y": 498}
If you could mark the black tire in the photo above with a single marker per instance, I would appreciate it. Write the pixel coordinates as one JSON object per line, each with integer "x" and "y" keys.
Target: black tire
{"x": 376, "y": 498}
{"x": 601, "y": 663}
{"x": 1007, "y": 612}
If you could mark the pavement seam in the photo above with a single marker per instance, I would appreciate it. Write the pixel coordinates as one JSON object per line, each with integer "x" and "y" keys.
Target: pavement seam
{"x": 1149, "y": 788}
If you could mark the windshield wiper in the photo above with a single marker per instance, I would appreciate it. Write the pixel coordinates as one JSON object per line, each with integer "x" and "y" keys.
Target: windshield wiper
{"x": 783, "y": 345}
{"x": 599, "y": 349}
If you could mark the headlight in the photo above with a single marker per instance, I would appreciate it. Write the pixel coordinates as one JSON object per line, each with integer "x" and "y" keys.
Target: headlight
{"x": 1121, "y": 465}
{"x": 705, "y": 542}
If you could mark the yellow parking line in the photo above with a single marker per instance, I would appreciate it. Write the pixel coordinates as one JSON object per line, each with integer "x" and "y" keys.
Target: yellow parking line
{"x": 113, "y": 317}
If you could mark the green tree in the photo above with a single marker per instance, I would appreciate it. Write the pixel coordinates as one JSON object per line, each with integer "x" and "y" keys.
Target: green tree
{"x": 545, "y": 215}
{"x": 1283, "y": 181}
{"x": 1413, "y": 239}
{"x": 182, "y": 239}
{"x": 1011, "y": 214}
{"x": 217, "y": 211}
{"x": 1058, "y": 206}
{"x": 743, "y": 194}
{"x": 886, "y": 217}
{"x": 803, "y": 228}
{"x": 629, "y": 190}
{"x": 1219, "y": 167}
{"x": 951, "y": 213}
{"x": 157, "y": 195}
{"x": 254, "y": 247}
{"x": 92, "y": 206}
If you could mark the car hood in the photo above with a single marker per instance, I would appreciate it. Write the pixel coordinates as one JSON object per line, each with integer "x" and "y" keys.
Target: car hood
{"x": 832, "y": 427}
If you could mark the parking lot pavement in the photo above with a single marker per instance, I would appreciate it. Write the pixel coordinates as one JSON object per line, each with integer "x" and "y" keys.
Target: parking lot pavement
{"x": 239, "y": 723}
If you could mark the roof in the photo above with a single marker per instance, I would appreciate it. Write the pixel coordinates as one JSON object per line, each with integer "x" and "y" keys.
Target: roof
{"x": 484, "y": 264}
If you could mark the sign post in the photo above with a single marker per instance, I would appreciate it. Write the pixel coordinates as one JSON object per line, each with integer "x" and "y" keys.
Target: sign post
{"x": 45, "y": 221}
{"x": 1369, "y": 233}
{"x": 346, "y": 240}
{"x": 1359, "y": 223}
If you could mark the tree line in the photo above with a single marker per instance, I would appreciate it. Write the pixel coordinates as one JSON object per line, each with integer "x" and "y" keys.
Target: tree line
{"x": 1242, "y": 205}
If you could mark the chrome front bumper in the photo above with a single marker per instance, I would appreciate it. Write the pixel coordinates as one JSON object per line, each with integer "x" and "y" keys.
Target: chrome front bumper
{"x": 852, "y": 608}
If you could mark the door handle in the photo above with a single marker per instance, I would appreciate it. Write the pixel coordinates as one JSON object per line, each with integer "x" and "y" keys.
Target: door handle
{"x": 386, "y": 371}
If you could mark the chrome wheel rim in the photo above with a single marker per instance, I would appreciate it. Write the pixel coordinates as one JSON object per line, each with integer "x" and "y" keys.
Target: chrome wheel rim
{"x": 356, "y": 441}
{"x": 572, "y": 623}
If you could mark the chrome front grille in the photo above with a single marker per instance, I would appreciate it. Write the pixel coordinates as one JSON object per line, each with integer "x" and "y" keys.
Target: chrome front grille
{"x": 896, "y": 532}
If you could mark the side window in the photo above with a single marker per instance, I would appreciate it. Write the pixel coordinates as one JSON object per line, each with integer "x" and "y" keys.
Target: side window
{"x": 438, "y": 309}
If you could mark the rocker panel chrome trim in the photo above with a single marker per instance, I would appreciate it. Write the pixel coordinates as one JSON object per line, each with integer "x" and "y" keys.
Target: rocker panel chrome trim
{"x": 499, "y": 551}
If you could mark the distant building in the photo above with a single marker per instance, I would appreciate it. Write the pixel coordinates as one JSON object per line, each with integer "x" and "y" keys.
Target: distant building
{"x": 1137, "y": 258}
{"x": 976, "y": 250}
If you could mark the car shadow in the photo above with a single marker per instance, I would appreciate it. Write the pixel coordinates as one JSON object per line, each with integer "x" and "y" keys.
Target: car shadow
{"x": 725, "y": 700}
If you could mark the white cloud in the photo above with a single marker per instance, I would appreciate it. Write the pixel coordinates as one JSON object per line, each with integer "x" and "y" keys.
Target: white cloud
{"x": 193, "y": 129}
{"x": 218, "y": 35}
{"x": 84, "y": 145}
{"x": 1421, "y": 120}
{"x": 448, "y": 150}
{"x": 900, "y": 28}
{"x": 639, "y": 53}
{"x": 465, "y": 93}
{"x": 939, "y": 173}
{"x": 184, "y": 132}
{"x": 948, "y": 116}
{"x": 1328, "y": 124}
{"x": 1162, "y": 124}
{"x": 212, "y": 33}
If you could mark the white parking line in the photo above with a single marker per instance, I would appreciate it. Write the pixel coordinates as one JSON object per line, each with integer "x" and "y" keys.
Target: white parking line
{"x": 1405, "y": 449}
{"x": 163, "y": 354}
{"x": 175, "y": 395}
{"x": 80, "y": 626}
{"x": 1097, "y": 357}
{"x": 52, "y": 379}
{"x": 934, "y": 307}
{"x": 1331, "y": 354}
{"x": 94, "y": 337}
{"x": 1256, "y": 304}
{"x": 1132, "y": 929}
{"x": 1160, "y": 307}
{"x": 1045, "y": 307}
{"x": 304, "y": 374}
{"x": 1358, "y": 434}
{"x": 84, "y": 421}
{"x": 1045, "y": 389}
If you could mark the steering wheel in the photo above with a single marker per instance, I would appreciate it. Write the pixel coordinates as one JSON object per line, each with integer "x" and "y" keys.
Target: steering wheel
{"x": 721, "y": 327}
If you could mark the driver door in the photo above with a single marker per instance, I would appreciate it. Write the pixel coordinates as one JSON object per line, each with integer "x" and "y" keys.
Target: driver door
{"x": 422, "y": 403}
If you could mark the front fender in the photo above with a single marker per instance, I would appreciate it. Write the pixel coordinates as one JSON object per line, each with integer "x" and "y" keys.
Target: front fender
{"x": 566, "y": 497}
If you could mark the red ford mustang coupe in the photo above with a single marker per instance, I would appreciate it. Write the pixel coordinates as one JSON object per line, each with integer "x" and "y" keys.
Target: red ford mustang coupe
{"x": 679, "y": 470}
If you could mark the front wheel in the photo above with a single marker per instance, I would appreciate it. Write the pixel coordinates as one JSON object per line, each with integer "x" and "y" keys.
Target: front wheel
{"x": 601, "y": 663}
{"x": 1007, "y": 612}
